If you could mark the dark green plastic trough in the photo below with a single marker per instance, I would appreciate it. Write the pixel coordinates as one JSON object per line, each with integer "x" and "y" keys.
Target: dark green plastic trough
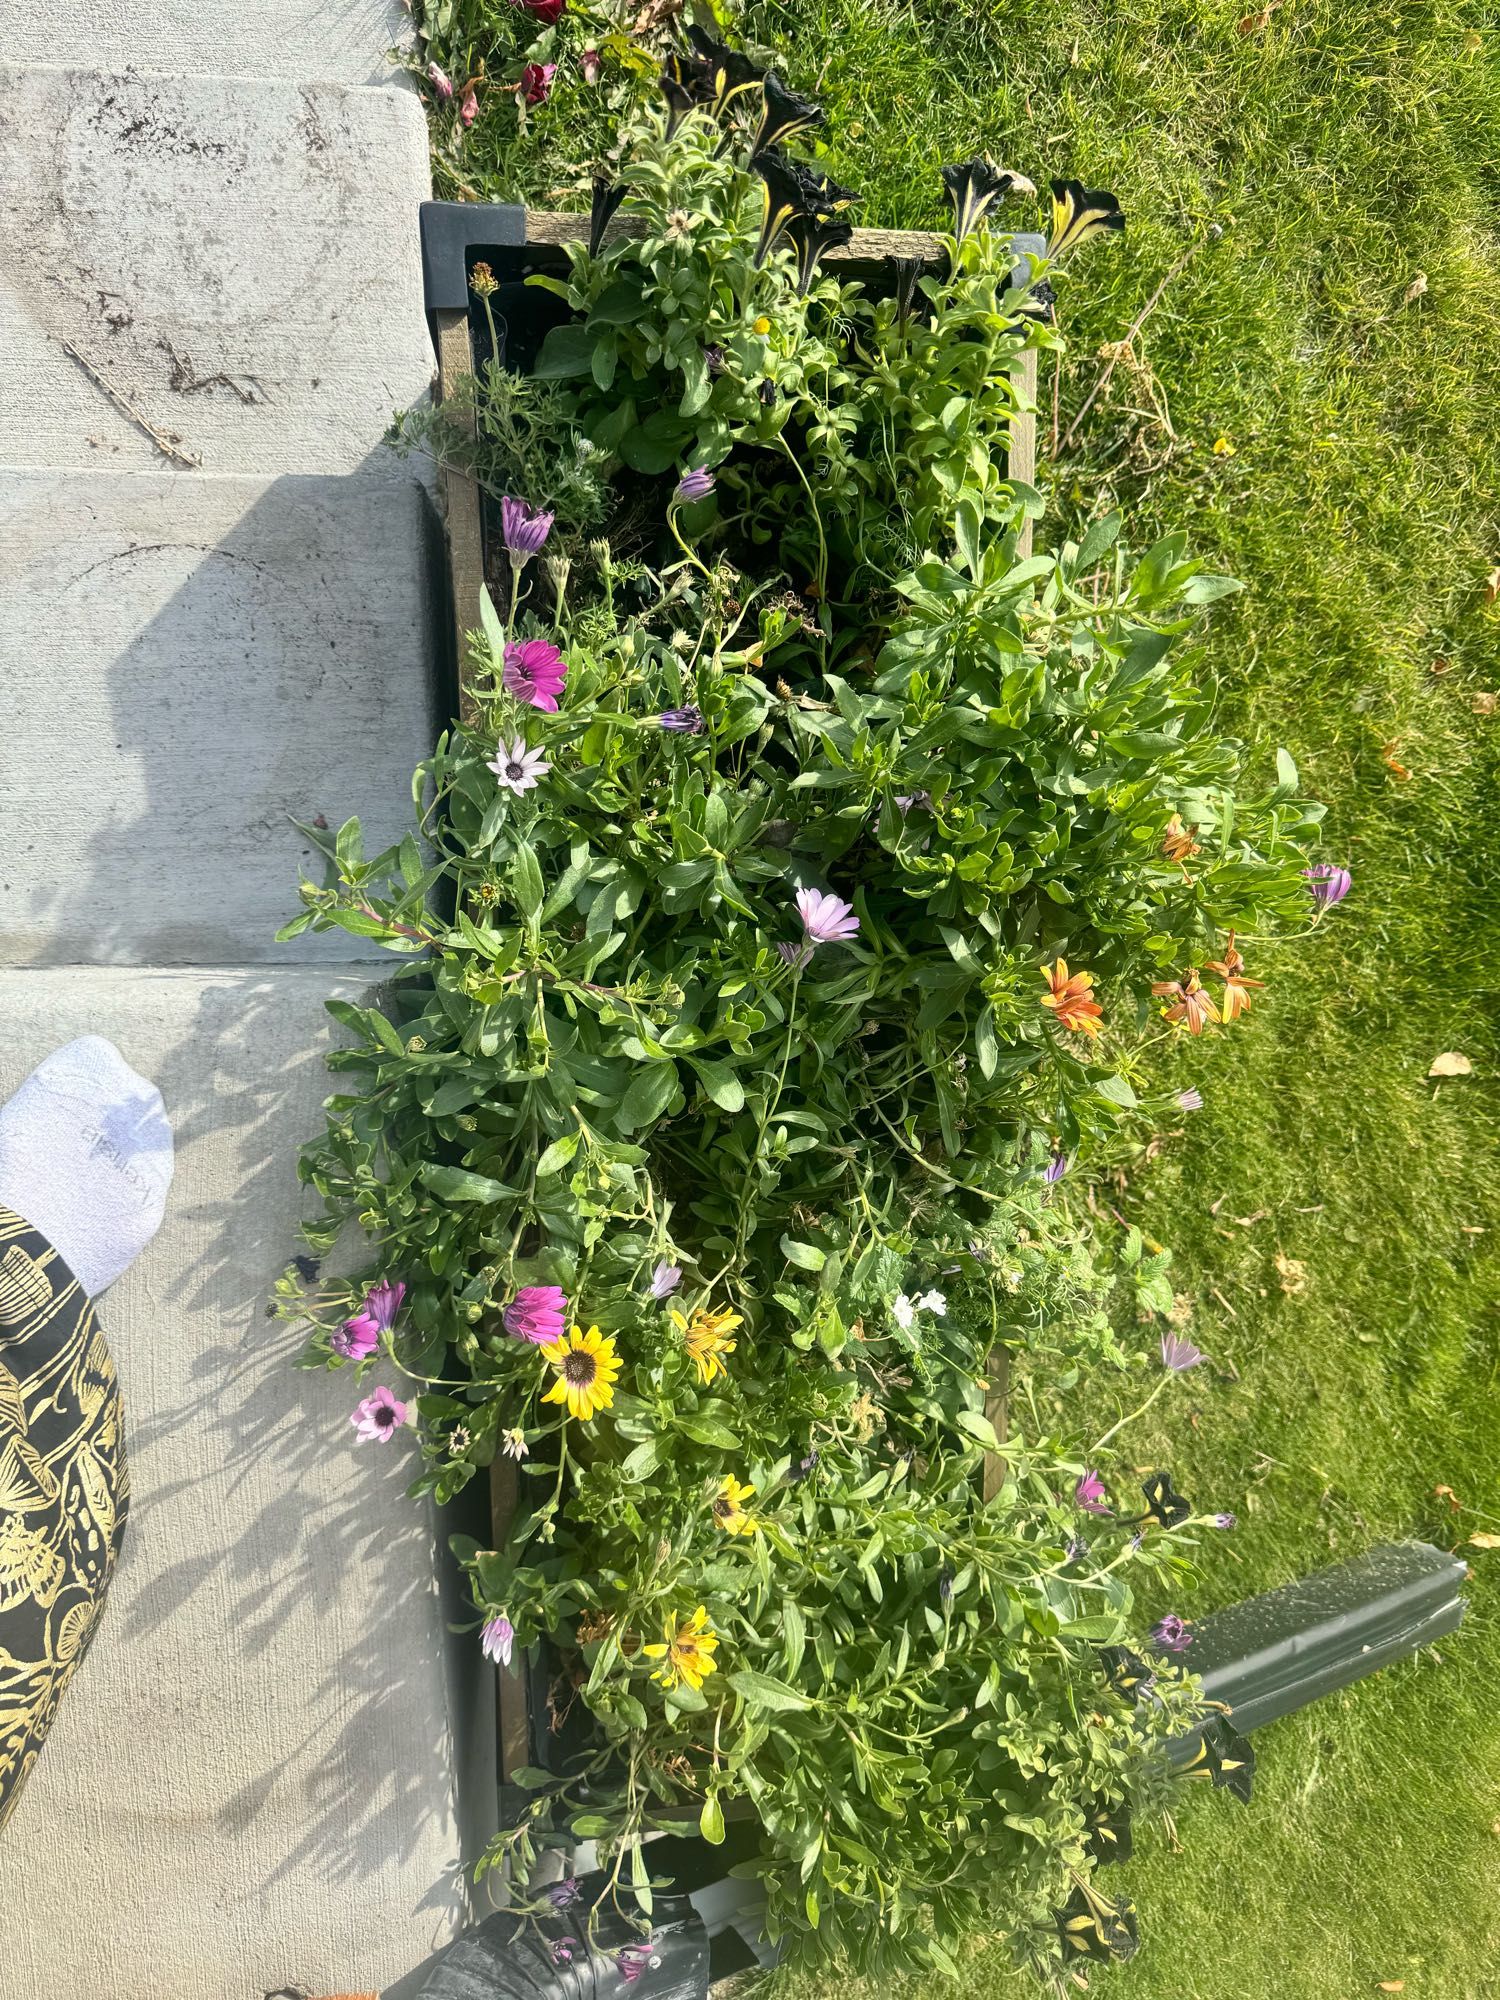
{"x": 1263, "y": 1659}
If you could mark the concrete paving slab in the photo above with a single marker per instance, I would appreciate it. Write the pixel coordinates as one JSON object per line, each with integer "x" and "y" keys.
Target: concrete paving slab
{"x": 326, "y": 41}
{"x": 190, "y": 664}
{"x": 206, "y": 271}
{"x": 249, "y": 1787}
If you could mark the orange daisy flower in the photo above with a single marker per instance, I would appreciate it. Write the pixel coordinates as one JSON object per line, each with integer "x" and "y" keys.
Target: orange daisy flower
{"x": 1071, "y": 999}
{"x": 1178, "y": 842}
{"x": 1190, "y": 1004}
{"x": 1230, "y": 967}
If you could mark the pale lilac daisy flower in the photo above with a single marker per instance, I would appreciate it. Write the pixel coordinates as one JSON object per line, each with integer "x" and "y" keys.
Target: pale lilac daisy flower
{"x": 826, "y": 919}
{"x": 516, "y": 768}
{"x": 1329, "y": 885}
{"x": 695, "y": 485}
{"x": 1179, "y": 1354}
{"x": 497, "y": 1640}
{"x": 1189, "y": 1100}
{"x": 665, "y": 1279}
{"x": 1171, "y": 1634}
{"x": 682, "y": 721}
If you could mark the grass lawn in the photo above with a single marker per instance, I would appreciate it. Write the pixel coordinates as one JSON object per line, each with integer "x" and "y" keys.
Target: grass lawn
{"x": 1340, "y": 337}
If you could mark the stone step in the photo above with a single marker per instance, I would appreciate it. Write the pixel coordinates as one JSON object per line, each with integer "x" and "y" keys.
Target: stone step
{"x": 345, "y": 43}
{"x": 206, "y": 271}
{"x": 192, "y": 662}
{"x": 251, "y": 1783}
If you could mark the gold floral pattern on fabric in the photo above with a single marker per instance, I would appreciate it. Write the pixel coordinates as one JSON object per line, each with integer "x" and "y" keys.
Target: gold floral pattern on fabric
{"x": 63, "y": 1490}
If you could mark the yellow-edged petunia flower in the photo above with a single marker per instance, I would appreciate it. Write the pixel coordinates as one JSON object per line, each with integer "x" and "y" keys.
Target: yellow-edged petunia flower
{"x": 587, "y": 1366}
{"x": 688, "y": 1651}
{"x": 706, "y": 1338}
{"x": 729, "y": 1508}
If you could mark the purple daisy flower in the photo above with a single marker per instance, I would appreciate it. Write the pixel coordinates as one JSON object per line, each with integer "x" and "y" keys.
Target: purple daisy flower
{"x": 378, "y": 1418}
{"x": 907, "y": 801}
{"x": 1189, "y": 1100}
{"x": 1171, "y": 1634}
{"x": 665, "y": 1279}
{"x": 1057, "y": 1166}
{"x": 1223, "y": 1521}
{"x": 1089, "y": 1494}
{"x": 682, "y": 721}
{"x": 357, "y": 1338}
{"x": 497, "y": 1640}
{"x": 631, "y": 1960}
{"x": 1178, "y": 1354}
{"x": 564, "y": 1893}
{"x": 695, "y": 485}
{"x": 534, "y": 672}
{"x": 537, "y": 1313}
{"x": 795, "y": 955}
{"x": 524, "y": 529}
{"x": 562, "y": 1950}
{"x": 1329, "y": 885}
{"x": 826, "y": 919}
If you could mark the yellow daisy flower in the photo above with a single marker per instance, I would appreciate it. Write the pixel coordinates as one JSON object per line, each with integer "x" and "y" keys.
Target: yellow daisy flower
{"x": 705, "y": 1336}
{"x": 688, "y": 1653}
{"x": 729, "y": 1509}
{"x": 587, "y": 1366}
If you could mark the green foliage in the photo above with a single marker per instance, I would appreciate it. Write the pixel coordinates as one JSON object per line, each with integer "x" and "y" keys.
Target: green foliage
{"x": 613, "y": 1048}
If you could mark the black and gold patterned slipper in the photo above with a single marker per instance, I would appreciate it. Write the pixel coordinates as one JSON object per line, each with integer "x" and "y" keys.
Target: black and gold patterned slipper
{"x": 64, "y": 1491}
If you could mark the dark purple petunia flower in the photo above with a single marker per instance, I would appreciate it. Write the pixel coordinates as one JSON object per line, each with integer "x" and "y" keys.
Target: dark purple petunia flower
{"x": 682, "y": 721}
{"x": 523, "y": 529}
{"x": 694, "y": 485}
{"x": 562, "y": 1950}
{"x": 563, "y": 1894}
{"x": 1329, "y": 885}
{"x": 1178, "y": 1354}
{"x": 713, "y": 354}
{"x": 1171, "y": 1634}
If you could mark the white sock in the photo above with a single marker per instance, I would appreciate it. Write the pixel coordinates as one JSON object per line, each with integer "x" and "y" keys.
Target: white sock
{"x": 86, "y": 1158}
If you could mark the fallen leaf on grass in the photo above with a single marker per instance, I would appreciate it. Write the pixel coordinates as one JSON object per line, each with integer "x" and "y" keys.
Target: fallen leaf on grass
{"x": 1390, "y": 1986}
{"x": 1492, "y": 585}
{"x": 1292, "y": 1273}
{"x": 1252, "y": 24}
{"x": 1447, "y": 1493}
{"x": 1451, "y": 1063}
{"x": 1485, "y": 1541}
{"x": 1485, "y": 702}
{"x": 1392, "y": 762}
{"x": 1415, "y": 289}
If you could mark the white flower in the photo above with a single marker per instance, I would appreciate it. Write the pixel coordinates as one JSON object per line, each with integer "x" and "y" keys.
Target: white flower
{"x": 904, "y": 1311}
{"x": 932, "y": 1302}
{"x": 517, "y": 768}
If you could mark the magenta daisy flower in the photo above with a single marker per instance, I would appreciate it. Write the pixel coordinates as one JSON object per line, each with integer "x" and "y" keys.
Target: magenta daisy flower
{"x": 1329, "y": 885}
{"x": 826, "y": 919}
{"x": 378, "y": 1418}
{"x": 1089, "y": 1494}
{"x": 359, "y": 1336}
{"x": 537, "y": 1313}
{"x": 534, "y": 672}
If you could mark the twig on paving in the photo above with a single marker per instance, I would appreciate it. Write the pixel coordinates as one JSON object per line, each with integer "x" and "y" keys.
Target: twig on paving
{"x": 167, "y": 443}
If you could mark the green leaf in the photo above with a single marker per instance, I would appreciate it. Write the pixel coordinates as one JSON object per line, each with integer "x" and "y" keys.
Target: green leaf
{"x": 760, "y": 1691}
{"x": 623, "y": 302}
{"x": 458, "y": 1184}
{"x": 721, "y": 1083}
{"x": 489, "y": 619}
{"x": 1115, "y": 1090}
{"x": 707, "y": 1430}
{"x": 979, "y": 1428}
{"x": 526, "y": 885}
{"x": 967, "y": 520}
{"x": 567, "y": 350}
{"x": 1100, "y": 1628}
{"x": 557, "y": 1155}
{"x": 711, "y": 1820}
{"x": 651, "y": 1090}
{"x": 1100, "y": 537}
{"x": 806, "y": 1256}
